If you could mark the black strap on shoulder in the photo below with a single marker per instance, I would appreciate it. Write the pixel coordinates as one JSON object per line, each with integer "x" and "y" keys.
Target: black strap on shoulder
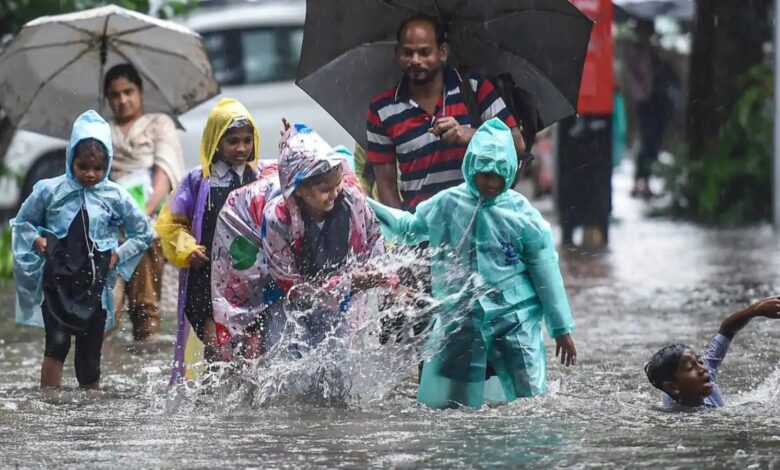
{"x": 469, "y": 98}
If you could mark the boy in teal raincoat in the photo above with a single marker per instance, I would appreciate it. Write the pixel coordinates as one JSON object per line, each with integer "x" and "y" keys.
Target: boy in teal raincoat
{"x": 482, "y": 227}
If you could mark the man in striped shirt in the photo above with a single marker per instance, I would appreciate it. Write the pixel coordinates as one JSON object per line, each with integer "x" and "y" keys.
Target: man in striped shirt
{"x": 422, "y": 126}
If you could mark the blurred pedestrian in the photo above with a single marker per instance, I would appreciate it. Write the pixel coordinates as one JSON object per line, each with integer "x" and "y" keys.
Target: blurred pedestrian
{"x": 648, "y": 83}
{"x": 584, "y": 146}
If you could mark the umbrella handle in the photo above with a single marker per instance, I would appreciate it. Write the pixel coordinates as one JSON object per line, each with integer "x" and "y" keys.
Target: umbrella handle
{"x": 103, "y": 58}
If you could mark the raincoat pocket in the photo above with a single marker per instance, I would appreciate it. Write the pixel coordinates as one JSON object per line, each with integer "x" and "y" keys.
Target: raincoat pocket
{"x": 510, "y": 295}
{"x": 520, "y": 292}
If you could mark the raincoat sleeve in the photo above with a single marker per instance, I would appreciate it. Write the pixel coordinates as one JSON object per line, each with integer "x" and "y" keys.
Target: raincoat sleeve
{"x": 376, "y": 242}
{"x": 401, "y": 226}
{"x": 28, "y": 261}
{"x": 541, "y": 260}
{"x": 138, "y": 235}
{"x": 174, "y": 225}
{"x": 364, "y": 172}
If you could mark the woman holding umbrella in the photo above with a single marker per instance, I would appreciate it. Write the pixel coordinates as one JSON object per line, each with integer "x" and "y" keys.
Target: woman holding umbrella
{"x": 148, "y": 162}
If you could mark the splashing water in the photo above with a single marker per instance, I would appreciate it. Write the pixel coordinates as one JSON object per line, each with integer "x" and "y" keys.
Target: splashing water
{"x": 602, "y": 413}
{"x": 353, "y": 358}
{"x": 766, "y": 392}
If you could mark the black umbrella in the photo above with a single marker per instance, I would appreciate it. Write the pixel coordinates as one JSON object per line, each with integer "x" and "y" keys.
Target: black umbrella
{"x": 348, "y": 50}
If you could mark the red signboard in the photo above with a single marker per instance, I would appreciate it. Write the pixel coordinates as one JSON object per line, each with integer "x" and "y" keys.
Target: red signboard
{"x": 598, "y": 79}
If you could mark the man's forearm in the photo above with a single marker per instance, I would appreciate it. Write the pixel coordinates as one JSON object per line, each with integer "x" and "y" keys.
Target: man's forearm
{"x": 387, "y": 185}
{"x": 389, "y": 196}
{"x": 517, "y": 136}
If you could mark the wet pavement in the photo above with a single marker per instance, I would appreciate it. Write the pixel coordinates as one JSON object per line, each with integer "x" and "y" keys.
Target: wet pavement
{"x": 660, "y": 281}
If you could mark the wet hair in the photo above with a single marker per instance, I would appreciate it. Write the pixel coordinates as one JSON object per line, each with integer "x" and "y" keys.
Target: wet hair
{"x": 126, "y": 70}
{"x": 439, "y": 27}
{"x": 312, "y": 181}
{"x": 236, "y": 126}
{"x": 239, "y": 122}
{"x": 89, "y": 144}
{"x": 662, "y": 367}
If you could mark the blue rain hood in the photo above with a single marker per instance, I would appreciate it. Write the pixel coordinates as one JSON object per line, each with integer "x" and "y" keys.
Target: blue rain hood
{"x": 51, "y": 208}
{"x": 491, "y": 150}
{"x": 89, "y": 125}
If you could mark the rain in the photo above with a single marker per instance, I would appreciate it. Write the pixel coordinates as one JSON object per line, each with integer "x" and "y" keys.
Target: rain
{"x": 648, "y": 154}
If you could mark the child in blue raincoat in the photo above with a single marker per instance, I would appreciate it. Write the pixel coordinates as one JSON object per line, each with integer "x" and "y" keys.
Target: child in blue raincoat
{"x": 67, "y": 254}
{"x": 482, "y": 227}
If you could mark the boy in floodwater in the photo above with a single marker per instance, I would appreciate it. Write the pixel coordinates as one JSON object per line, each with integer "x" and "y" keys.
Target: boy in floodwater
{"x": 687, "y": 379}
{"x": 482, "y": 227}
{"x": 67, "y": 253}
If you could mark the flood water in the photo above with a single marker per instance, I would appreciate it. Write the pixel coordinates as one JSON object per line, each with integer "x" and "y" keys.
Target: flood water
{"x": 660, "y": 281}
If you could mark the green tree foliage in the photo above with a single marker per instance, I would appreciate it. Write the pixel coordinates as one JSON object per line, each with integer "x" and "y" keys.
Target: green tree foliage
{"x": 15, "y": 13}
{"x": 731, "y": 184}
{"x": 728, "y": 40}
{"x": 6, "y": 255}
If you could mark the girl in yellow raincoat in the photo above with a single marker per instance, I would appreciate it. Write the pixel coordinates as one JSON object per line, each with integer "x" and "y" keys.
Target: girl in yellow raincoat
{"x": 228, "y": 159}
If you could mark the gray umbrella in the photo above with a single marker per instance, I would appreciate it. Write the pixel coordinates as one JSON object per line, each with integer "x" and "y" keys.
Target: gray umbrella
{"x": 53, "y": 69}
{"x": 348, "y": 50}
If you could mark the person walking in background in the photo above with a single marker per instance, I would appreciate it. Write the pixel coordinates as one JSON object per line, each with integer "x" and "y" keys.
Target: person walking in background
{"x": 148, "y": 162}
{"x": 67, "y": 253}
{"x": 648, "y": 80}
{"x": 584, "y": 142}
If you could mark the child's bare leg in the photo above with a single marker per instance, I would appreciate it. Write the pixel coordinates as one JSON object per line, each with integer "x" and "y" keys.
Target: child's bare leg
{"x": 56, "y": 347}
{"x": 51, "y": 373}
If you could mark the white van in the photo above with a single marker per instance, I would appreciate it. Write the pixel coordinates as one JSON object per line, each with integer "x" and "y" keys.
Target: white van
{"x": 254, "y": 49}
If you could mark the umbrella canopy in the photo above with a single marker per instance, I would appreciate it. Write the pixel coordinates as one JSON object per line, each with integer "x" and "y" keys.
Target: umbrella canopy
{"x": 53, "y": 69}
{"x": 348, "y": 50}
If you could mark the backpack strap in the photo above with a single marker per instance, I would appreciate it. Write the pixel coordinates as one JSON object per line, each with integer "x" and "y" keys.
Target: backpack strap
{"x": 518, "y": 101}
{"x": 469, "y": 96}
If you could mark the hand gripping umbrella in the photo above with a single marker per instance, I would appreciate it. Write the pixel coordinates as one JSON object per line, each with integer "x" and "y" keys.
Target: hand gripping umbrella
{"x": 348, "y": 50}
{"x": 53, "y": 69}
